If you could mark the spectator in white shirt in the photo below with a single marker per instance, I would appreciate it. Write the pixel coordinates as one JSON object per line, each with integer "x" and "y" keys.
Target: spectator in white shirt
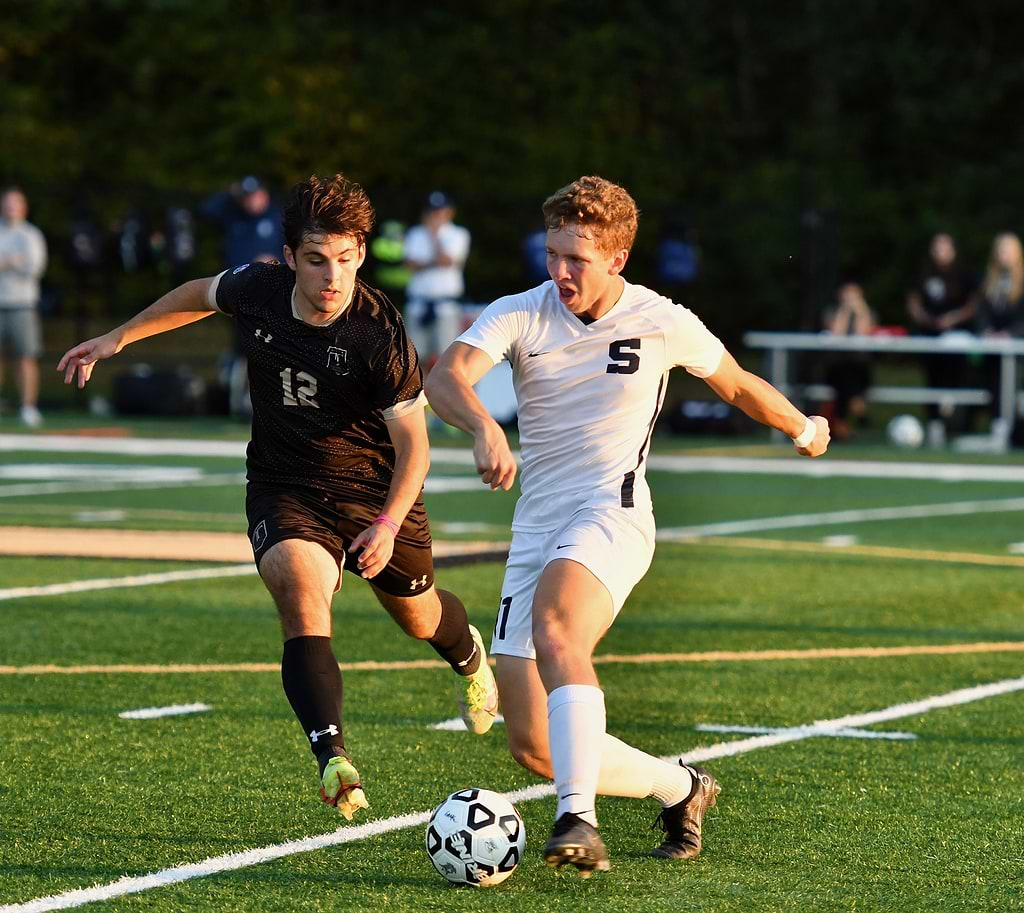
{"x": 22, "y": 262}
{"x": 435, "y": 254}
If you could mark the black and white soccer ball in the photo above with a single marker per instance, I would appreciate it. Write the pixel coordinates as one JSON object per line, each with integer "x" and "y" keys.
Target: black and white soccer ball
{"x": 476, "y": 837}
{"x": 905, "y": 431}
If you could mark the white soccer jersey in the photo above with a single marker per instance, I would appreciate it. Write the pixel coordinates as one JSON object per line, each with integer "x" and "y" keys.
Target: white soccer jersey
{"x": 589, "y": 394}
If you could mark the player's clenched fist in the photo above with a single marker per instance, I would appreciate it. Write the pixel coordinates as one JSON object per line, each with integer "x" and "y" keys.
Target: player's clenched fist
{"x": 494, "y": 460}
{"x": 819, "y": 443}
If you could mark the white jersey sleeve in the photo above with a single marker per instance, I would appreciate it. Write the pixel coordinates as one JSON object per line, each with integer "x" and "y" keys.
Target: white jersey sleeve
{"x": 692, "y": 345}
{"x": 498, "y": 329}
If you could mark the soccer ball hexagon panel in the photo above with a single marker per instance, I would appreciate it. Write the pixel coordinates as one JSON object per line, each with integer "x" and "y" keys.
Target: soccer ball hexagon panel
{"x": 476, "y": 837}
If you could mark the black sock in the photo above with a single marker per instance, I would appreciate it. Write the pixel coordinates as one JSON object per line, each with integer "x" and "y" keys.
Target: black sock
{"x": 452, "y": 640}
{"x": 312, "y": 683}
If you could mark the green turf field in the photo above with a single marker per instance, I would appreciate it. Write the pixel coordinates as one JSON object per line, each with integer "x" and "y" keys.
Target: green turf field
{"x": 820, "y": 822}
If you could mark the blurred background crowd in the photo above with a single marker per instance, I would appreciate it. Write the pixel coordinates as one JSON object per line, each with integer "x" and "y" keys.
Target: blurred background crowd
{"x": 808, "y": 166}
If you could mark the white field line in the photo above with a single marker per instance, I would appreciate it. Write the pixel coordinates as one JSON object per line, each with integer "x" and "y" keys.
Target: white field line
{"x": 846, "y": 732}
{"x": 70, "y": 443}
{"x": 31, "y": 489}
{"x": 110, "y": 583}
{"x": 69, "y": 511}
{"x": 828, "y": 468}
{"x": 458, "y": 724}
{"x": 455, "y": 456}
{"x": 842, "y": 517}
{"x": 97, "y": 472}
{"x": 101, "y": 516}
{"x": 234, "y": 861}
{"x": 439, "y": 485}
{"x": 152, "y": 713}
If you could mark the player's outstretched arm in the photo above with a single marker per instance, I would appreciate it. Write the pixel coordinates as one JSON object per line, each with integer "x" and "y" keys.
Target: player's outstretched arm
{"x": 179, "y": 307}
{"x": 450, "y": 392}
{"x": 763, "y": 403}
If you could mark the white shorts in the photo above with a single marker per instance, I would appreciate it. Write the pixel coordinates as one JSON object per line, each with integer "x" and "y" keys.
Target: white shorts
{"x": 614, "y": 544}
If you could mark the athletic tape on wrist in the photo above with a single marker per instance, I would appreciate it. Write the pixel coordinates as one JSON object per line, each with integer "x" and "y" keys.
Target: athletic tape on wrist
{"x": 809, "y": 433}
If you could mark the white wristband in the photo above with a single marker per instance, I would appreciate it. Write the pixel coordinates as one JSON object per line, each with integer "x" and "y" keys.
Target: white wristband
{"x": 809, "y": 433}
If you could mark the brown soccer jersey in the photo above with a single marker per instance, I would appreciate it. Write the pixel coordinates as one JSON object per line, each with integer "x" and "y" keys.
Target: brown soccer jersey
{"x": 318, "y": 393}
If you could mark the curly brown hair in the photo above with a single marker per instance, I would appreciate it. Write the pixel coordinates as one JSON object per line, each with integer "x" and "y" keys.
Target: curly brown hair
{"x": 603, "y": 209}
{"x": 326, "y": 206}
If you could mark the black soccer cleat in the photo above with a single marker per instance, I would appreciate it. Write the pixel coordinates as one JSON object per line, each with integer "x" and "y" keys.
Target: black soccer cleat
{"x": 577, "y": 843}
{"x": 682, "y": 822}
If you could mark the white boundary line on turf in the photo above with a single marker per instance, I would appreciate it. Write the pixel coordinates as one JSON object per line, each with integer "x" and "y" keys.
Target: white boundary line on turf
{"x": 830, "y": 469}
{"x": 153, "y": 713}
{"x": 783, "y": 466}
{"x": 846, "y": 732}
{"x": 234, "y": 861}
{"x": 110, "y": 583}
{"x": 30, "y": 489}
{"x": 458, "y": 724}
{"x": 842, "y": 517}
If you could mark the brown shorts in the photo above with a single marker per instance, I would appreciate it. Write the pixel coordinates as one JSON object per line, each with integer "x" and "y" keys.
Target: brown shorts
{"x": 276, "y": 514}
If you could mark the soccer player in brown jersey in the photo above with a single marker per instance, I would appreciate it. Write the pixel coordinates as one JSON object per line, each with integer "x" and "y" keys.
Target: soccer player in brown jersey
{"x": 337, "y": 460}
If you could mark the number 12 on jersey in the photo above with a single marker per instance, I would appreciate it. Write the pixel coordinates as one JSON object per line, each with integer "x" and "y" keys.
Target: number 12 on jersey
{"x": 304, "y": 394}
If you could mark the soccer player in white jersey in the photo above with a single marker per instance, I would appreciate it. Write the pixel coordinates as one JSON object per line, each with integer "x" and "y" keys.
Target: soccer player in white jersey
{"x": 590, "y": 355}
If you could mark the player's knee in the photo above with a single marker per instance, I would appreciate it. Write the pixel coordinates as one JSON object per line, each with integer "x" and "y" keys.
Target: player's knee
{"x": 551, "y": 641}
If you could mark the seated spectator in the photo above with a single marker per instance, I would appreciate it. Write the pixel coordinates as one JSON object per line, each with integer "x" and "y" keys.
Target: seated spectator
{"x": 848, "y": 373}
{"x": 943, "y": 300}
{"x": 1001, "y": 306}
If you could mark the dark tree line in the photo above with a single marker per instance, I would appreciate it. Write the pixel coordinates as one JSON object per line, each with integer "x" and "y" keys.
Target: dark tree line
{"x": 806, "y": 140}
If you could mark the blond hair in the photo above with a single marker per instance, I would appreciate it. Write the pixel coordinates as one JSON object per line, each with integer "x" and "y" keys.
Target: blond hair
{"x": 602, "y": 210}
{"x": 995, "y": 286}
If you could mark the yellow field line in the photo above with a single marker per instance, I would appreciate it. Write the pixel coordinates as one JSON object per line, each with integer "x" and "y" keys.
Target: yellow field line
{"x": 870, "y": 551}
{"x": 713, "y": 656}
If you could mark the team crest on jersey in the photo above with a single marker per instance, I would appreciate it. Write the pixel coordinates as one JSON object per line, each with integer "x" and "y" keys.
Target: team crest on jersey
{"x": 238, "y": 269}
{"x": 337, "y": 360}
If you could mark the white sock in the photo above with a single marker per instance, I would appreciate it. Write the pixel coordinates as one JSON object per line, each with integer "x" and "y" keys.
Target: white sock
{"x": 576, "y": 733}
{"x": 627, "y": 771}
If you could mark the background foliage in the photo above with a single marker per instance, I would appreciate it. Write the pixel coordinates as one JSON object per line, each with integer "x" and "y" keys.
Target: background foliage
{"x": 806, "y": 140}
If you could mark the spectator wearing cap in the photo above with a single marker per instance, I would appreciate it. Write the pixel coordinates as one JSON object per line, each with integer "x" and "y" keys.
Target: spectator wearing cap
{"x": 435, "y": 254}
{"x": 22, "y": 262}
{"x": 250, "y": 221}
{"x": 252, "y": 232}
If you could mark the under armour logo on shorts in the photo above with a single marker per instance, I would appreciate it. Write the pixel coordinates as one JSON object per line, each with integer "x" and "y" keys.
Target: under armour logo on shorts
{"x": 416, "y": 583}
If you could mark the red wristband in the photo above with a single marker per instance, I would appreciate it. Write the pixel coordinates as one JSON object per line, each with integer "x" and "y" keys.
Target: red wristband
{"x": 389, "y": 523}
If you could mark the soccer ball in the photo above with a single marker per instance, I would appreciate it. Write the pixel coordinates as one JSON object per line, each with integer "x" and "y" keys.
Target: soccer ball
{"x": 476, "y": 837}
{"x": 905, "y": 431}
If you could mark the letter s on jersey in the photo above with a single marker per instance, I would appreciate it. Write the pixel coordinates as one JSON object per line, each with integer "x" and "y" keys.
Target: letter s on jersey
{"x": 624, "y": 356}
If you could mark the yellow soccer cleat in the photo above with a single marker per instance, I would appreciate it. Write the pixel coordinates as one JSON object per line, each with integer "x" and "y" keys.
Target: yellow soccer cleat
{"x": 340, "y": 786}
{"x": 478, "y": 693}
